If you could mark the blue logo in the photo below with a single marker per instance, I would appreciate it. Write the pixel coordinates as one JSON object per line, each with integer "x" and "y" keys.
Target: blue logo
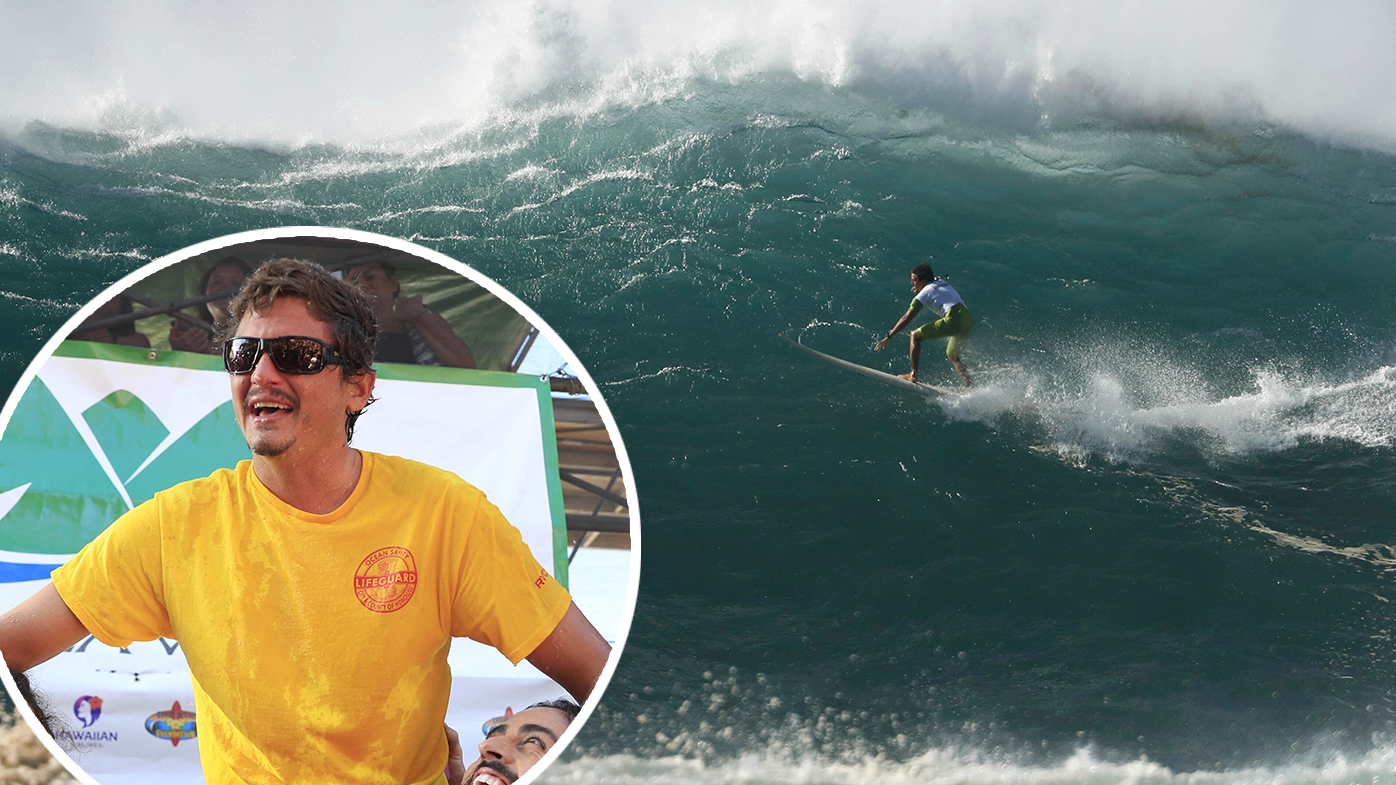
{"x": 87, "y": 709}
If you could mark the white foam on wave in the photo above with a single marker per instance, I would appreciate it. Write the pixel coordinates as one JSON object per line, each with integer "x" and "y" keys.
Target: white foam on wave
{"x": 342, "y": 72}
{"x": 531, "y": 172}
{"x": 576, "y": 185}
{"x": 102, "y": 251}
{"x": 442, "y": 209}
{"x": 963, "y": 767}
{"x": 10, "y": 199}
{"x": 270, "y": 204}
{"x": 1133, "y": 417}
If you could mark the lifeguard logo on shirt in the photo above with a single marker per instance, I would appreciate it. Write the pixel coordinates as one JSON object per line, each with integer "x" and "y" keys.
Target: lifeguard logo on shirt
{"x": 386, "y": 579}
{"x": 173, "y": 725}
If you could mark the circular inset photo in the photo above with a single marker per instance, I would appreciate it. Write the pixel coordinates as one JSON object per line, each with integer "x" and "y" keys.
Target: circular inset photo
{"x": 311, "y": 505}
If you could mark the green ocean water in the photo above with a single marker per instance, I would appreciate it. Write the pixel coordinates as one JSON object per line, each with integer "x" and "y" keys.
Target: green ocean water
{"x": 1153, "y": 544}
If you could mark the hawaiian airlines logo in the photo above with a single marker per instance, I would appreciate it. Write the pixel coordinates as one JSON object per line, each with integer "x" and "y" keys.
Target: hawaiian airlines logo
{"x": 87, "y": 709}
{"x": 174, "y": 725}
{"x": 386, "y": 579}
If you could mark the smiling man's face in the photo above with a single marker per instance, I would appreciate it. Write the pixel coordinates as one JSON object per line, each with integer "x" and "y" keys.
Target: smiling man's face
{"x": 512, "y": 748}
{"x": 285, "y": 413}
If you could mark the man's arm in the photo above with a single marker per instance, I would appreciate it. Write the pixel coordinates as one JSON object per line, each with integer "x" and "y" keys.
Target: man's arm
{"x": 455, "y": 757}
{"x": 449, "y": 348}
{"x": 38, "y": 629}
{"x": 573, "y": 655}
{"x": 906, "y": 317}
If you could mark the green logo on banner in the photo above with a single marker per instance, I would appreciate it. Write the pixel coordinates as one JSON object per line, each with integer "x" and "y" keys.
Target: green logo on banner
{"x": 54, "y": 494}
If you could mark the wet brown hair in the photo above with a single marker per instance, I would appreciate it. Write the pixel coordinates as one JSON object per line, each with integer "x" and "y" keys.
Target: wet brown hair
{"x": 353, "y": 330}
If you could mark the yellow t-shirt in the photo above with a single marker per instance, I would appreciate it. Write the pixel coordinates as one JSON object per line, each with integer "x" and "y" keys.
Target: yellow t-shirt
{"x": 317, "y": 643}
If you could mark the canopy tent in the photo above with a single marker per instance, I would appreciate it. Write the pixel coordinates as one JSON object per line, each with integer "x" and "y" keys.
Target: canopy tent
{"x": 498, "y": 335}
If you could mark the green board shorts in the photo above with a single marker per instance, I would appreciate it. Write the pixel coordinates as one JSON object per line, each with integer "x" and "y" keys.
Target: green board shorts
{"x": 955, "y": 325}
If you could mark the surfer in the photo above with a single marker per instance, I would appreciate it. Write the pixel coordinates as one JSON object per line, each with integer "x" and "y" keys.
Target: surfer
{"x": 954, "y": 322}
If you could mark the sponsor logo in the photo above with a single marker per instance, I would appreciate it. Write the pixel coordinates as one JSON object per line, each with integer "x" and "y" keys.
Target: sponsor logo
{"x": 494, "y": 722}
{"x": 174, "y": 725}
{"x": 87, "y": 709}
{"x": 542, "y": 579}
{"x": 386, "y": 579}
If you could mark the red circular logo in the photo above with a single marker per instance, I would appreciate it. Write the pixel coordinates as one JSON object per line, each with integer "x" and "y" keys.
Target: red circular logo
{"x": 386, "y": 579}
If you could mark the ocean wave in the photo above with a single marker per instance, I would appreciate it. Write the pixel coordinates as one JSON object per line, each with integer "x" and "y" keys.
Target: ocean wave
{"x": 952, "y": 766}
{"x": 531, "y": 172}
{"x": 418, "y": 237}
{"x": 671, "y": 374}
{"x": 577, "y": 185}
{"x": 270, "y": 204}
{"x": 444, "y": 209}
{"x": 49, "y": 305}
{"x": 11, "y": 199}
{"x": 103, "y": 252}
{"x": 411, "y": 153}
{"x": 1258, "y": 64}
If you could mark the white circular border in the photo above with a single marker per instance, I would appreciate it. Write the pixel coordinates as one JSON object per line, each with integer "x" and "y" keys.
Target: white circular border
{"x": 632, "y": 593}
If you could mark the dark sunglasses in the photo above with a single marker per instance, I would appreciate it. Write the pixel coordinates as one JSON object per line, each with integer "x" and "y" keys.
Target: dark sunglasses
{"x": 289, "y": 353}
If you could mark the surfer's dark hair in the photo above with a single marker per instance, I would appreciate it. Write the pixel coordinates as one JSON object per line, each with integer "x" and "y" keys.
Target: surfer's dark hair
{"x": 352, "y": 327}
{"x": 561, "y": 704}
{"x": 924, "y": 272}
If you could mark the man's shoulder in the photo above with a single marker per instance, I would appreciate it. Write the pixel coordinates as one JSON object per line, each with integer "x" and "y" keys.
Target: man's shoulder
{"x": 938, "y": 288}
{"x": 406, "y": 473}
{"x": 215, "y": 486}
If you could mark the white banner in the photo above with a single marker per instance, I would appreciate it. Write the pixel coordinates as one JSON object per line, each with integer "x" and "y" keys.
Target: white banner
{"x": 141, "y": 423}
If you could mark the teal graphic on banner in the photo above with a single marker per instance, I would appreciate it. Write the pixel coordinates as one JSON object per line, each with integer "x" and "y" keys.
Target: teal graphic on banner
{"x": 54, "y": 494}
{"x": 126, "y": 429}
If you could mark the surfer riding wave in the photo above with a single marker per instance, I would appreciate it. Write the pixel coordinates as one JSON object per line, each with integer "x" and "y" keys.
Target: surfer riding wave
{"x": 954, "y": 323}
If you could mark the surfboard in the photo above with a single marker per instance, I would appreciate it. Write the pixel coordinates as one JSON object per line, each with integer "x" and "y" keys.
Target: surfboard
{"x": 926, "y": 390}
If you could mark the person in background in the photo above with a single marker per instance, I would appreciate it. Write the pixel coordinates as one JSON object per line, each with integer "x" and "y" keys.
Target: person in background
{"x": 409, "y": 332}
{"x": 226, "y": 275}
{"x": 513, "y": 746}
{"x": 121, "y": 334}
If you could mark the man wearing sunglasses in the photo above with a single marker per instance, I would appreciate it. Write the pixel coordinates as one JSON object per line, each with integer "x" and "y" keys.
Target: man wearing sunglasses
{"x": 314, "y": 589}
